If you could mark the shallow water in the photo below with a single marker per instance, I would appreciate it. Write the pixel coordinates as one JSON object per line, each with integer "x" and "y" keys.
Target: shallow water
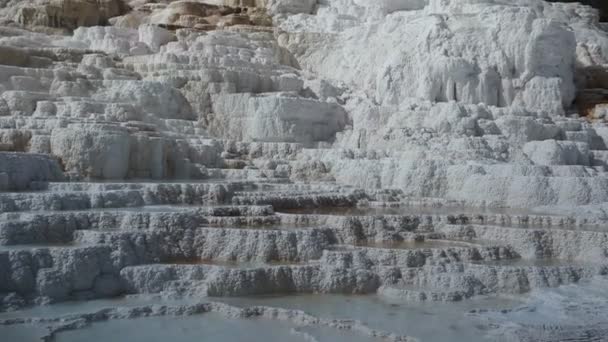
{"x": 421, "y": 320}
{"x": 207, "y": 327}
{"x": 567, "y": 313}
{"x": 22, "y": 333}
{"x": 475, "y": 320}
{"x": 427, "y": 321}
{"x": 576, "y": 304}
{"x": 75, "y": 307}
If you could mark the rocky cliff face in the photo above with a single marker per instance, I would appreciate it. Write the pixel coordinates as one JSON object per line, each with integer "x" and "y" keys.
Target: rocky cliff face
{"x": 146, "y": 145}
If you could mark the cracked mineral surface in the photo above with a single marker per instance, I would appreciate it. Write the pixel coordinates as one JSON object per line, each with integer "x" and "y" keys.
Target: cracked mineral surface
{"x": 303, "y": 170}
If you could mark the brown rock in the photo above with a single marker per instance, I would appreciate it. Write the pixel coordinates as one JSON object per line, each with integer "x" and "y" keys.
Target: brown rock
{"x": 589, "y": 99}
{"x": 592, "y": 84}
{"x": 190, "y": 21}
{"x": 234, "y": 19}
{"x": 198, "y": 9}
{"x": 68, "y": 14}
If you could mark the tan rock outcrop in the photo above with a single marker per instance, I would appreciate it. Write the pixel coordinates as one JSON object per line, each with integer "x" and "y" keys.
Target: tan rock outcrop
{"x": 68, "y": 14}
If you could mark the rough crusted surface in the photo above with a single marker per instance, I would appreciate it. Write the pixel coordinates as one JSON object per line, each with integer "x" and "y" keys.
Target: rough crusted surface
{"x": 180, "y": 127}
{"x": 20, "y": 170}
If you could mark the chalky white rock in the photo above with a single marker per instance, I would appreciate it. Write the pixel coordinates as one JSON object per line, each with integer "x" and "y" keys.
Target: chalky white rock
{"x": 421, "y": 150}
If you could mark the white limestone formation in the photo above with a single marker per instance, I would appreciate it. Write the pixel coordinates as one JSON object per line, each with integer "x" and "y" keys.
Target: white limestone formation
{"x": 420, "y": 150}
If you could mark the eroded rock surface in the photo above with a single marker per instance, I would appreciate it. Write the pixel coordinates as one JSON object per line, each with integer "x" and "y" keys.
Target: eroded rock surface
{"x": 417, "y": 150}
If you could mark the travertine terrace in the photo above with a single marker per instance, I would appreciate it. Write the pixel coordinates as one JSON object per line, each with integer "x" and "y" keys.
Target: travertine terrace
{"x": 177, "y": 160}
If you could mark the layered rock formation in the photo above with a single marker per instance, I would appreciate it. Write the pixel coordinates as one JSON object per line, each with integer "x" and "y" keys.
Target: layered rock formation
{"x": 436, "y": 150}
{"x": 598, "y": 4}
{"x": 62, "y": 14}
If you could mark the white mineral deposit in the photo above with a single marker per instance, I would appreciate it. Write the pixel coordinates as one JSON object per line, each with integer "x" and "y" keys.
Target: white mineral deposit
{"x": 303, "y": 170}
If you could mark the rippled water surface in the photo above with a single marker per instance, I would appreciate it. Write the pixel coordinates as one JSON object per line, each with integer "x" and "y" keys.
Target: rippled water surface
{"x": 478, "y": 319}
